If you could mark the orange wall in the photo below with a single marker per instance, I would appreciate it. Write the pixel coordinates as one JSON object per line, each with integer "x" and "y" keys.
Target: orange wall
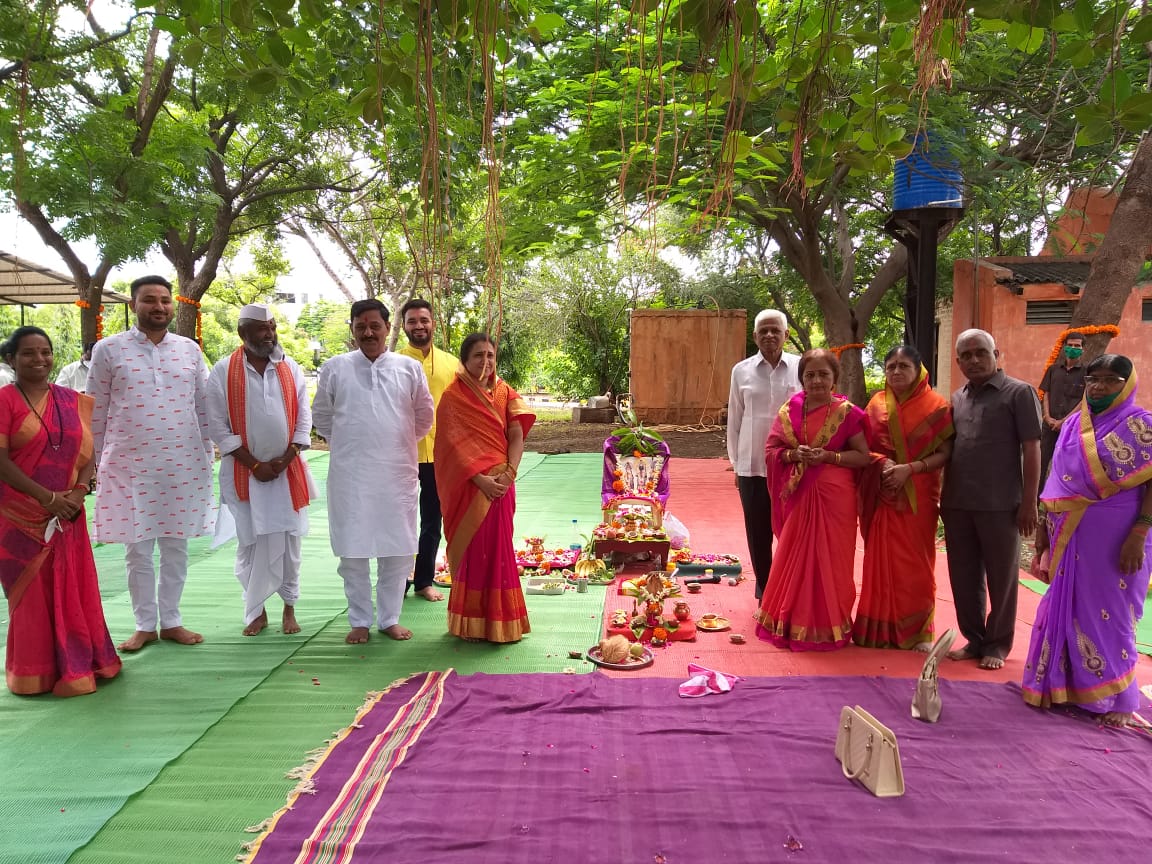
{"x": 681, "y": 362}
{"x": 1024, "y": 348}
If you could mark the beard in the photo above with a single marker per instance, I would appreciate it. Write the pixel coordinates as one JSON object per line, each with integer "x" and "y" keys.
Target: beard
{"x": 260, "y": 349}
{"x": 419, "y": 341}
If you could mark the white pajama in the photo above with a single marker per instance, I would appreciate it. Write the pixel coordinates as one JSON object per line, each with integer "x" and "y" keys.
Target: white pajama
{"x": 391, "y": 577}
{"x": 156, "y": 608}
{"x": 269, "y": 566}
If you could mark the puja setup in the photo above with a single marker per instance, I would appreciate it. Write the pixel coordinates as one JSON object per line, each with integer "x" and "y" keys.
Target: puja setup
{"x": 633, "y": 494}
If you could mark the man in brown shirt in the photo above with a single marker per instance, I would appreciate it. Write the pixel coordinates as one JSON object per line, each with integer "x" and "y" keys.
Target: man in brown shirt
{"x": 1063, "y": 387}
{"x": 989, "y": 497}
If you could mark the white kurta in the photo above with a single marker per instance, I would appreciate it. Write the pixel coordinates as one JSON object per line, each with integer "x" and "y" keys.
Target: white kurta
{"x": 372, "y": 414}
{"x": 150, "y": 430}
{"x": 74, "y": 375}
{"x": 268, "y": 509}
{"x": 267, "y": 527}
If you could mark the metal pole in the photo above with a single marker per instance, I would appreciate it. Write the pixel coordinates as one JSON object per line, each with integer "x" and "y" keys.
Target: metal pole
{"x": 925, "y": 332}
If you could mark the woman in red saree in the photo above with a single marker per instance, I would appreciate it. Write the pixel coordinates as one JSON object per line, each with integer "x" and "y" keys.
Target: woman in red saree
{"x": 909, "y": 430}
{"x": 57, "y": 639}
{"x": 481, "y": 424}
{"x": 813, "y": 451}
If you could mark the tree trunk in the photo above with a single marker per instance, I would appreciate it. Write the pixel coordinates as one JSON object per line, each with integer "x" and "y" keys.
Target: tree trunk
{"x": 1121, "y": 255}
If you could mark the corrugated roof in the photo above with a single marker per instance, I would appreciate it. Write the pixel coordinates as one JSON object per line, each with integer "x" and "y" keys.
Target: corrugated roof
{"x": 1072, "y": 274}
{"x": 24, "y": 283}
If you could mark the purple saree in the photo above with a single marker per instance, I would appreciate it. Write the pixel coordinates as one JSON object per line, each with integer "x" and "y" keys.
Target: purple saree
{"x": 1083, "y": 648}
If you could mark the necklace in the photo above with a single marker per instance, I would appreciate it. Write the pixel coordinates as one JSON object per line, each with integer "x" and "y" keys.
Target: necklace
{"x": 54, "y": 445}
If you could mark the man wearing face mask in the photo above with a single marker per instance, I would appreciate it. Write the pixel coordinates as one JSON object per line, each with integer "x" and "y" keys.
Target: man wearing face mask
{"x": 1063, "y": 387}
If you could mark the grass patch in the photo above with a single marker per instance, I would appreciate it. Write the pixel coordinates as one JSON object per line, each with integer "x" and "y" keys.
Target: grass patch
{"x": 553, "y": 415}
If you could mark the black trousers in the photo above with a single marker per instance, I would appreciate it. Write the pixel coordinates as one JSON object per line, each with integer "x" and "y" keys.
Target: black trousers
{"x": 429, "y": 542}
{"x": 756, "y": 502}
{"x": 984, "y": 569}
{"x": 1047, "y": 448}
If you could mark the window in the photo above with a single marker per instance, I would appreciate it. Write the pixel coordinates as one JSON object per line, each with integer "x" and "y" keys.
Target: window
{"x": 1049, "y": 311}
{"x": 1146, "y": 310}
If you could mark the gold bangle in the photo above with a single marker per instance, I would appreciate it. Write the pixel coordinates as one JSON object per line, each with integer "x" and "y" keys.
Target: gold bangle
{"x": 837, "y": 458}
{"x": 51, "y": 500}
{"x": 255, "y": 465}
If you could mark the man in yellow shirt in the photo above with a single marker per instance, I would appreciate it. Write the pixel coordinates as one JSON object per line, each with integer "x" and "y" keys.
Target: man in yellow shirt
{"x": 440, "y": 368}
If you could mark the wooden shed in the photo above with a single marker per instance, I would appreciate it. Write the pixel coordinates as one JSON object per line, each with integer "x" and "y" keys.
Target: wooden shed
{"x": 681, "y": 362}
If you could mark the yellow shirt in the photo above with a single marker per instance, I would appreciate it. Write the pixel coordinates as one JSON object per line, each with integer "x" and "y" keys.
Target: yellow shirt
{"x": 439, "y": 368}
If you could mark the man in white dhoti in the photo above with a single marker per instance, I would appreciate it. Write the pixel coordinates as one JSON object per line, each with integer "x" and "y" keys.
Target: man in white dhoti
{"x": 258, "y": 415}
{"x": 372, "y": 406}
{"x": 154, "y": 457}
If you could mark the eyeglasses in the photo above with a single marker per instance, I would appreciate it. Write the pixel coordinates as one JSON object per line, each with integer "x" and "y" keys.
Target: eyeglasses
{"x": 1093, "y": 381}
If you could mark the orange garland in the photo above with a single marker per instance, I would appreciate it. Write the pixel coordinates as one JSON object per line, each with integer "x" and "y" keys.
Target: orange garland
{"x": 1086, "y": 331}
{"x": 840, "y": 349}
{"x": 84, "y": 304}
{"x": 199, "y": 317}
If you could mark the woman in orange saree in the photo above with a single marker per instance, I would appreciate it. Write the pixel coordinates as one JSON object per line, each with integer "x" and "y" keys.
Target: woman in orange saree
{"x": 481, "y": 424}
{"x": 813, "y": 451}
{"x": 57, "y": 639}
{"x": 909, "y": 430}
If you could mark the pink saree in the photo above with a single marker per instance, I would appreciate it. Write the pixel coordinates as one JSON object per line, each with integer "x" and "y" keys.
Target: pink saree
{"x": 807, "y": 604}
{"x": 57, "y": 639}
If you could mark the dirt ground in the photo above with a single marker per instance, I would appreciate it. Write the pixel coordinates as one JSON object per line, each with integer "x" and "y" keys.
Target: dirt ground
{"x": 564, "y": 436}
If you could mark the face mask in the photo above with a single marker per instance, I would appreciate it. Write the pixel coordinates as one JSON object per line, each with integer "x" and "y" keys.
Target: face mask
{"x": 1073, "y": 353}
{"x": 1096, "y": 404}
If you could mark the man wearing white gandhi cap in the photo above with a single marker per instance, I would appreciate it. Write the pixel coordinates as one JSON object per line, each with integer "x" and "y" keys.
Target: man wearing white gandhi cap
{"x": 258, "y": 415}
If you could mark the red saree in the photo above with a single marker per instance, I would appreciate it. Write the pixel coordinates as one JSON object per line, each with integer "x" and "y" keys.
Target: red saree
{"x": 807, "y": 603}
{"x": 57, "y": 638}
{"x": 898, "y": 592}
{"x": 486, "y": 601}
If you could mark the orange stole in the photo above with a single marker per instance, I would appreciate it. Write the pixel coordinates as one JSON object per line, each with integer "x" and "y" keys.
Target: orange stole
{"x": 238, "y": 417}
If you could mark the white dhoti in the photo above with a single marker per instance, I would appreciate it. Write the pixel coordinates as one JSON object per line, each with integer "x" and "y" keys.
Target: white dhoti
{"x": 269, "y": 566}
{"x": 391, "y": 579}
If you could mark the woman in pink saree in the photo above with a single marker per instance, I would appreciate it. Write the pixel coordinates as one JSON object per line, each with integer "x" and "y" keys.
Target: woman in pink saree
{"x": 1094, "y": 548}
{"x": 57, "y": 639}
{"x": 481, "y": 424}
{"x": 814, "y": 450}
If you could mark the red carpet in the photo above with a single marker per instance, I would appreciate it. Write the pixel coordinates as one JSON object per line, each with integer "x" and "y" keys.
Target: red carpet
{"x": 704, "y": 498}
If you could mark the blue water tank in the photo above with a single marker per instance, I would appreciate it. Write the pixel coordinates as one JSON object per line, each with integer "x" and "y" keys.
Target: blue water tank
{"x": 929, "y": 176}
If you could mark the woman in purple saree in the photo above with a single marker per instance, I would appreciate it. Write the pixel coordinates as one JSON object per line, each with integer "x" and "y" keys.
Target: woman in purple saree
{"x": 1094, "y": 547}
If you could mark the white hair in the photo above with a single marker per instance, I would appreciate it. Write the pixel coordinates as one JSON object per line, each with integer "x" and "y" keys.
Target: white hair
{"x": 767, "y": 314}
{"x": 975, "y": 334}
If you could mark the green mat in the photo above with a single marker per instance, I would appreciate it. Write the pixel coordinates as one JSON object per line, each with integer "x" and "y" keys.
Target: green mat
{"x": 1143, "y": 627}
{"x": 230, "y": 717}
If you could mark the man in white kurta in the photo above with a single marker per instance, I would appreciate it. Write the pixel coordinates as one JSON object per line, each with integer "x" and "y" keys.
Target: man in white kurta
{"x": 75, "y": 374}
{"x": 154, "y": 457}
{"x": 263, "y": 481}
{"x": 372, "y": 406}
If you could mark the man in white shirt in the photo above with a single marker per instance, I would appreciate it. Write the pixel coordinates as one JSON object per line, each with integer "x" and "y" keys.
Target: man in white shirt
{"x": 259, "y": 417}
{"x": 372, "y": 406}
{"x": 75, "y": 374}
{"x": 760, "y": 385}
{"x": 154, "y": 457}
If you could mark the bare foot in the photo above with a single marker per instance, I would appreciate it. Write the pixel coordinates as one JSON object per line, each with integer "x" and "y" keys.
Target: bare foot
{"x": 922, "y": 647}
{"x": 258, "y": 624}
{"x": 1118, "y": 719}
{"x": 288, "y": 623}
{"x": 357, "y": 636}
{"x": 181, "y": 635}
{"x": 397, "y": 632}
{"x": 430, "y": 594}
{"x": 962, "y": 654}
{"x": 991, "y": 663}
{"x": 138, "y": 640}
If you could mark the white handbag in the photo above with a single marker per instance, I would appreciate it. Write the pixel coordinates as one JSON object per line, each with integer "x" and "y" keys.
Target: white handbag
{"x": 926, "y": 704}
{"x": 868, "y": 753}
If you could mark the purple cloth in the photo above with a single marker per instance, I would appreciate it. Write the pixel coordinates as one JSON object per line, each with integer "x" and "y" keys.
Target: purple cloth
{"x": 1083, "y": 647}
{"x": 544, "y": 767}
{"x": 611, "y": 456}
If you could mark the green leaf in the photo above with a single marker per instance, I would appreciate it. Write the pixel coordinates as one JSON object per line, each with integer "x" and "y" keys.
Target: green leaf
{"x": 901, "y": 10}
{"x": 313, "y": 10}
{"x": 546, "y": 24}
{"x": 737, "y": 146}
{"x": 1141, "y": 31}
{"x": 407, "y": 43}
{"x": 1085, "y": 15}
{"x": 1116, "y": 88}
{"x": 866, "y": 141}
{"x": 193, "y": 52}
{"x": 263, "y": 81}
{"x": 1065, "y": 22}
{"x": 899, "y": 39}
{"x": 1092, "y": 134}
{"x": 1021, "y": 37}
{"x": 280, "y": 52}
